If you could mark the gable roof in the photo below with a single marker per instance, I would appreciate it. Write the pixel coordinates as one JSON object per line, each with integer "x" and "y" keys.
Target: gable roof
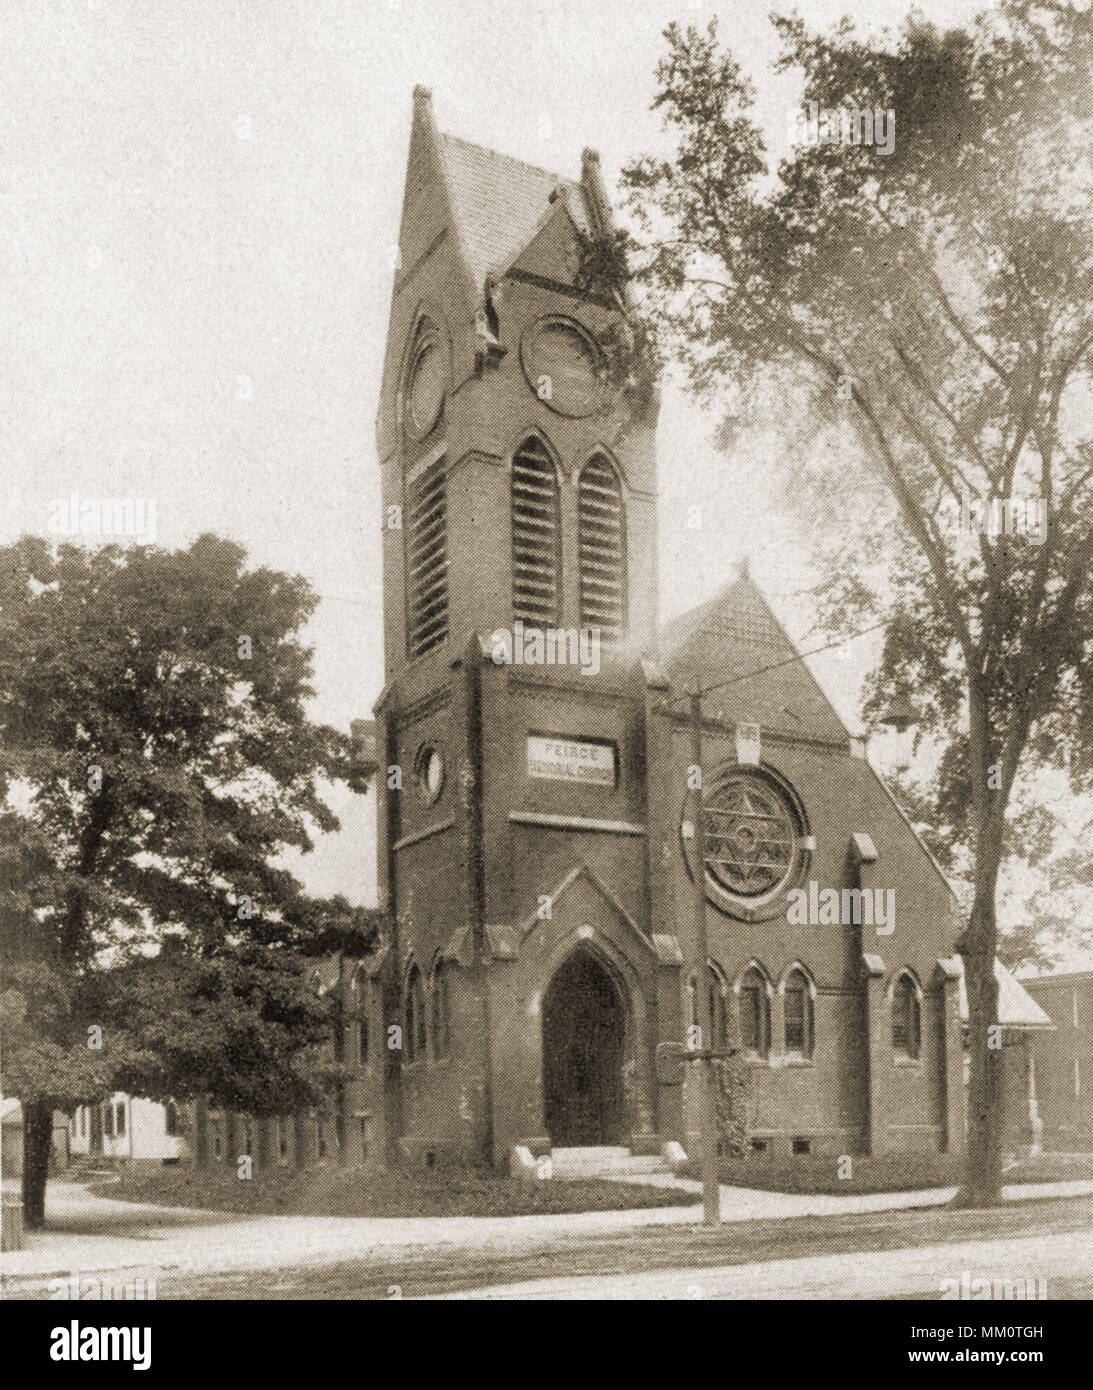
{"x": 500, "y": 203}
{"x": 735, "y": 633}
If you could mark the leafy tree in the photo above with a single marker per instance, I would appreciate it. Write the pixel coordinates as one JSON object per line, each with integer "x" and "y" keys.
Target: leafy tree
{"x": 1045, "y": 879}
{"x": 156, "y": 761}
{"x": 929, "y": 311}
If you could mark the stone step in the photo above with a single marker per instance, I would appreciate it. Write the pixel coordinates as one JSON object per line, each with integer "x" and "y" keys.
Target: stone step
{"x": 603, "y": 1161}
{"x": 592, "y": 1152}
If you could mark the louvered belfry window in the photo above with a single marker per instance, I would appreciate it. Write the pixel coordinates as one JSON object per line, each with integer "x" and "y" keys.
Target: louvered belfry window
{"x": 536, "y": 536}
{"x": 602, "y": 545}
{"x": 427, "y": 563}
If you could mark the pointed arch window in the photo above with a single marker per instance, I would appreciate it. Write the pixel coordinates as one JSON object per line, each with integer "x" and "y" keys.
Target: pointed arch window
{"x": 414, "y": 1041}
{"x": 360, "y": 994}
{"x": 906, "y": 1018}
{"x": 427, "y": 562}
{"x": 442, "y": 1010}
{"x": 337, "y": 1025}
{"x": 362, "y": 1039}
{"x": 755, "y": 1012}
{"x": 799, "y": 1014}
{"x": 601, "y": 525}
{"x": 719, "y": 1007}
{"x": 536, "y": 536}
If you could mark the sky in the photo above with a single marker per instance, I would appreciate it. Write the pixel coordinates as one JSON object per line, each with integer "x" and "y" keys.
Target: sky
{"x": 199, "y": 212}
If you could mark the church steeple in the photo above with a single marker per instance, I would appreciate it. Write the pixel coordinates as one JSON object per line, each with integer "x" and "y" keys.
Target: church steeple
{"x": 516, "y": 484}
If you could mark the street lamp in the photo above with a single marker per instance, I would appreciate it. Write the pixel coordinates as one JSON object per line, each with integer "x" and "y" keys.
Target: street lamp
{"x": 899, "y": 713}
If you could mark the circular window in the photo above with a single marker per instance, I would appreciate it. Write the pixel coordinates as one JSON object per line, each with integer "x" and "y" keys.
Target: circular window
{"x": 428, "y": 381}
{"x": 429, "y": 772}
{"x": 563, "y": 367}
{"x": 755, "y": 842}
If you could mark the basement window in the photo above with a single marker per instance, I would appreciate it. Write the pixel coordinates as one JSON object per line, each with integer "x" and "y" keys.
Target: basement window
{"x": 802, "y": 1146}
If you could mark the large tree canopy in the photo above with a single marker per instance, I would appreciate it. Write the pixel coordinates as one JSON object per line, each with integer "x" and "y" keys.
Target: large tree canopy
{"x": 157, "y": 759}
{"x": 928, "y": 310}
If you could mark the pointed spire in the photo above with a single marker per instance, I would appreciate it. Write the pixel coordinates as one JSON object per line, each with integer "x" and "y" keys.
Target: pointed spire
{"x": 423, "y": 110}
{"x": 595, "y": 192}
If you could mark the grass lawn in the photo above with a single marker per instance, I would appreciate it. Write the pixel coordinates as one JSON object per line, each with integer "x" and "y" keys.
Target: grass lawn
{"x": 446, "y": 1191}
{"x": 908, "y": 1172}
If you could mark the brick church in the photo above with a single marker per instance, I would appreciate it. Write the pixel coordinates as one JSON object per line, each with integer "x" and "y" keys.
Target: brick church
{"x": 535, "y": 819}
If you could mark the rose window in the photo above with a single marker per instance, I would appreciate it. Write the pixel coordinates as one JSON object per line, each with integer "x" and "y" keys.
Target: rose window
{"x": 749, "y": 837}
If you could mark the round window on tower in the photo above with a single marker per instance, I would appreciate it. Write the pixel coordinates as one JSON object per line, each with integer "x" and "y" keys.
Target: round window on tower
{"x": 426, "y": 385}
{"x": 757, "y": 846}
{"x": 429, "y": 772}
{"x": 564, "y": 366}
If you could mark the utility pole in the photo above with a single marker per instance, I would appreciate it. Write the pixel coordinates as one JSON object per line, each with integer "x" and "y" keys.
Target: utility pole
{"x": 707, "y": 1137}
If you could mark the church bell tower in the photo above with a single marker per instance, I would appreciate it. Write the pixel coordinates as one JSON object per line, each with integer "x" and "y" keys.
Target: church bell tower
{"x": 518, "y": 490}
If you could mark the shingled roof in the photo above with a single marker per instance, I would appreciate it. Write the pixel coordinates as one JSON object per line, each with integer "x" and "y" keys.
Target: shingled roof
{"x": 499, "y": 202}
{"x": 733, "y": 634}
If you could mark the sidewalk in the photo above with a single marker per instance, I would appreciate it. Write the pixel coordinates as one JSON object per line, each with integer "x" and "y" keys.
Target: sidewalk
{"x": 87, "y": 1233}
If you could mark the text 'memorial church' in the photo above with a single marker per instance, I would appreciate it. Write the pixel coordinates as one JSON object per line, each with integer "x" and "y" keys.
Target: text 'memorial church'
{"x": 535, "y": 824}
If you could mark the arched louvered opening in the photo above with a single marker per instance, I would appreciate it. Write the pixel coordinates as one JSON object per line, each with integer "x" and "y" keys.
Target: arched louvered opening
{"x": 536, "y": 536}
{"x": 602, "y": 550}
{"x": 427, "y": 563}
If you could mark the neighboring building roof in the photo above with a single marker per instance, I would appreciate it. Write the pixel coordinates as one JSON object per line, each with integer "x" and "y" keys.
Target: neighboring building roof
{"x": 1016, "y": 1007}
{"x": 1063, "y": 978}
{"x": 499, "y": 202}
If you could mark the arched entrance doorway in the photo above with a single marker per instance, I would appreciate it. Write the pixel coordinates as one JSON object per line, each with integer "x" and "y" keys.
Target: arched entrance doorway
{"x": 584, "y": 1026}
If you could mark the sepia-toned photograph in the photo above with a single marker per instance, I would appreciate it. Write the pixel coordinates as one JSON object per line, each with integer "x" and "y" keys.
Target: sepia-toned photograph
{"x": 546, "y": 664}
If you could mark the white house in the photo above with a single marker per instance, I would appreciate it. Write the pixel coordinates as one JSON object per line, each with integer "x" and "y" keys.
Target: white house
{"x": 129, "y": 1127}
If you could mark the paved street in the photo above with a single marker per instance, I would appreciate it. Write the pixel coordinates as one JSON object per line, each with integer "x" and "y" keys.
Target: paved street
{"x": 773, "y": 1246}
{"x": 1063, "y": 1261}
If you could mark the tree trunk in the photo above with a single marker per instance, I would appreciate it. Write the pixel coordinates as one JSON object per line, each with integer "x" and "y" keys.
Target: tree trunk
{"x": 37, "y": 1135}
{"x": 983, "y": 1173}
{"x": 95, "y": 1145}
{"x": 200, "y": 1141}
